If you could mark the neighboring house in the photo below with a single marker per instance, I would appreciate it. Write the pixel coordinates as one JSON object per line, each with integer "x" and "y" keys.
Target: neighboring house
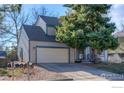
{"x": 3, "y": 58}
{"x": 117, "y": 55}
{"x": 2, "y": 54}
{"x": 37, "y": 43}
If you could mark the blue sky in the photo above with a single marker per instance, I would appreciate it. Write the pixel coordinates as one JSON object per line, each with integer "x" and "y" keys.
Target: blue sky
{"x": 56, "y": 9}
{"x": 116, "y": 13}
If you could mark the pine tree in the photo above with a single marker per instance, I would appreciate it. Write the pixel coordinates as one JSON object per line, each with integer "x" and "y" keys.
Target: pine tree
{"x": 88, "y": 25}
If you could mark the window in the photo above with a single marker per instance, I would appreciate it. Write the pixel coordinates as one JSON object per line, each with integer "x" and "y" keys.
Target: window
{"x": 51, "y": 30}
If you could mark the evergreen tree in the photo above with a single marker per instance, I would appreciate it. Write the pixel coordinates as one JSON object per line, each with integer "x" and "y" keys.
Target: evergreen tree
{"x": 87, "y": 25}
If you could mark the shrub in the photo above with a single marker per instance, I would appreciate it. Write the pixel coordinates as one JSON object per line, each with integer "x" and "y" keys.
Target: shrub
{"x": 3, "y": 72}
{"x": 3, "y": 64}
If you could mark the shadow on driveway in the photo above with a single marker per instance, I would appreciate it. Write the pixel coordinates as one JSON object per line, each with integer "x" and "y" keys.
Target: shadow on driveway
{"x": 81, "y": 70}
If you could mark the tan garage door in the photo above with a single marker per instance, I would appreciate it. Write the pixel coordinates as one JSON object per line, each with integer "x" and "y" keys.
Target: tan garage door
{"x": 52, "y": 55}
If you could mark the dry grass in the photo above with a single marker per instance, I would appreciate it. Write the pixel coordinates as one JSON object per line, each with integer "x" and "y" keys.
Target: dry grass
{"x": 9, "y": 72}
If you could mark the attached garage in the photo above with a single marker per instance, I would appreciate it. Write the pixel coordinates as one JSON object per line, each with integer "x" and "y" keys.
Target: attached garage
{"x": 52, "y": 55}
{"x": 39, "y": 43}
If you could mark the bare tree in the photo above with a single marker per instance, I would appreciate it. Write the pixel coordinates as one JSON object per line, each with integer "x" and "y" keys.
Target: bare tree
{"x": 12, "y": 24}
{"x": 39, "y": 11}
{"x": 42, "y": 11}
{"x": 5, "y": 9}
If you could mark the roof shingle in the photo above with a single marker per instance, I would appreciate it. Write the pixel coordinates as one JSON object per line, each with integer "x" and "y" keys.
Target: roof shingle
{"x": 35, "y": 33}
{"x": 51, "y": 21}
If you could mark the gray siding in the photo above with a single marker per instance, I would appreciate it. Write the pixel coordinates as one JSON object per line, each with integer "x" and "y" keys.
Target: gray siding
{"x": 33, "y": 44}
{"x": 24, "y": 44}
{"x": 40, "y": 22}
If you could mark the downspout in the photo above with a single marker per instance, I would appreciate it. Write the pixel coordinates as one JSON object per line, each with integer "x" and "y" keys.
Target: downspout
{"x": 36, "y": 54}
{"x": 29, "y": 62}
{"x": 29, "y": 51}
{"x": 46, "y": 30}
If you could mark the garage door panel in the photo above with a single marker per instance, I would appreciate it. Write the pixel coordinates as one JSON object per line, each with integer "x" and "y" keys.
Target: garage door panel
{"x": 52, "y": 55}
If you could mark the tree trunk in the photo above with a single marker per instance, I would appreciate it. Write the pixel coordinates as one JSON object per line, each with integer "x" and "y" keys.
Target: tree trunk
{"x": 94, "y": 56}
{"x": 75, "y": 54}
{"x": 17, "y": 40}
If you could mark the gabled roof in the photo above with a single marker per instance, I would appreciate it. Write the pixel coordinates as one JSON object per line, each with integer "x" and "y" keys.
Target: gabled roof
{"x": 35, "y": 33}
{"x": 51, "y": 21}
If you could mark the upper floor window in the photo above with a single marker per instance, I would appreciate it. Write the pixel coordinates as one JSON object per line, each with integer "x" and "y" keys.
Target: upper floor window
{"x": 51, "y": 30}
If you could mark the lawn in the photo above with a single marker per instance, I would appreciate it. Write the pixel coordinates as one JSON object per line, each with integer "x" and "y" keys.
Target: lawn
{"x": 112, "y": 67}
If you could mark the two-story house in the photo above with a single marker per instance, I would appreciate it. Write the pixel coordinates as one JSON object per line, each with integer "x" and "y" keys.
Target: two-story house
{"x": 37, "y": 43}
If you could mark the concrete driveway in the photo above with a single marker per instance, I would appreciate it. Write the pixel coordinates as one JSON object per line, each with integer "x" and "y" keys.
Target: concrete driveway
{"x": 81, "y": 72}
